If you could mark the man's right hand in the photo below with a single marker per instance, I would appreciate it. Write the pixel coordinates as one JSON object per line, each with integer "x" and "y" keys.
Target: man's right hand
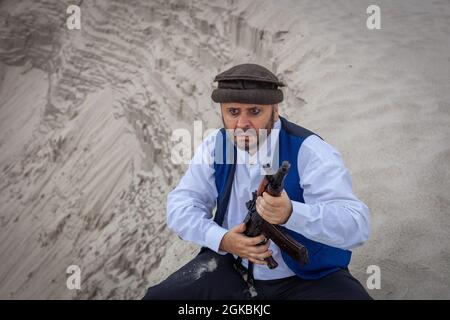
{"x": 236, "y": 242}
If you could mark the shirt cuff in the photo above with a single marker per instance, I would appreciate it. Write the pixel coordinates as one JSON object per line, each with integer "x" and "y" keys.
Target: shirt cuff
{"x": 299, "y": 217}
{"x": 214, "y": 236}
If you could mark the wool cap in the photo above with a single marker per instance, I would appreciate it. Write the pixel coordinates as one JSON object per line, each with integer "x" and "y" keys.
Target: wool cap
{"x": 247, "y": 83}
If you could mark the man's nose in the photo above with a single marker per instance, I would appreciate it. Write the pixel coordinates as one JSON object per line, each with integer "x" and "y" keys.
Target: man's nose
{"x": 243, "y": 122}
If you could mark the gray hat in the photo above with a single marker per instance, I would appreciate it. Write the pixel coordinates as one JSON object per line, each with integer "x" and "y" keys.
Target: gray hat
{"x": 247, "y": 83}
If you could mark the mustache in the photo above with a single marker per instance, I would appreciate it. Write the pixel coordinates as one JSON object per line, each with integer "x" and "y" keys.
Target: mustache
{"x": 244, "y": 133}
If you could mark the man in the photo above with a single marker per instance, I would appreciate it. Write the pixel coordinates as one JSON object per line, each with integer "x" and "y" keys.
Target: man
{"x": 317, "y": 207}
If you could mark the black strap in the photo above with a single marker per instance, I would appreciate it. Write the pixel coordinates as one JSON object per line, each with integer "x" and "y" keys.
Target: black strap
{"x": 246, "y": 273}
{"x": 250, "y": 278}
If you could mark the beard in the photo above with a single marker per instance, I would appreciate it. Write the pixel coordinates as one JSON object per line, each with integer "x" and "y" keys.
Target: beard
{"x": 251, "y": 141}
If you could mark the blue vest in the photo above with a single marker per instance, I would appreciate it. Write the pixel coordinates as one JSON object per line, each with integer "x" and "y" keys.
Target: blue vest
{"x": 323, "y": 259}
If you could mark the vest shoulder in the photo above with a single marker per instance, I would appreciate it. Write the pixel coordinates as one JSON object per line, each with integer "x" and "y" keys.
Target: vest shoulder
{"x": 296, "y": 130}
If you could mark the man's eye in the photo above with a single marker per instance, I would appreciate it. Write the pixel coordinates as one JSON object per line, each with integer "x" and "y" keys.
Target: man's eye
{"x": 233, "y": 112}
{"x": 255, "y": 111}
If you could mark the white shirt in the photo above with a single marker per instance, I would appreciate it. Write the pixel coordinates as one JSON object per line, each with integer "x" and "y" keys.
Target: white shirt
{"x": 331, "y": 213}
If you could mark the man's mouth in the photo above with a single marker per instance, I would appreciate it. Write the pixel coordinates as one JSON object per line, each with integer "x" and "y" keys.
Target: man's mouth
{"x": 243, "y": 137}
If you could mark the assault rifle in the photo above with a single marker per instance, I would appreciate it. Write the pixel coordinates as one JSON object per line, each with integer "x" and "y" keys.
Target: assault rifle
{"x": 256, "y": 225}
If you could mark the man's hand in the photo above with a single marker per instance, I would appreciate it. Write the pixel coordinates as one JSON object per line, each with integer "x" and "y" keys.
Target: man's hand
{"x": 275, "y": 210}
{"x": 235, "y": 242}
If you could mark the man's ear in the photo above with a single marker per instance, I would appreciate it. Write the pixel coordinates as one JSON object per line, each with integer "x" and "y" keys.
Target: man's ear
{"x": 275, "y": 111}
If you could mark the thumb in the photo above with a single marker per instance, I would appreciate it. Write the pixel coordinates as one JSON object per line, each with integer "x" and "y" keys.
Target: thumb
{"x": 240, "y": 228}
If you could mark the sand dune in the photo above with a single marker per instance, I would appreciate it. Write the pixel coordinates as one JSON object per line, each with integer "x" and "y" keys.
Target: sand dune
{"x": 86, "y": 118}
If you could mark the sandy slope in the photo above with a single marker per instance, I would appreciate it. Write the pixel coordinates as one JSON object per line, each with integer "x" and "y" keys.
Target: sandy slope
{"x": 86, "y": 119}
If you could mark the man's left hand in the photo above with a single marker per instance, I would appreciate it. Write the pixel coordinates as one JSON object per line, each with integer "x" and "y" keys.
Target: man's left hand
{"x": 275, "y": 210}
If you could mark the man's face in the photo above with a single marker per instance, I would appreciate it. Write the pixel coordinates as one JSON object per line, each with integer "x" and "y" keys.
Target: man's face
{"x": 246, "y": 121}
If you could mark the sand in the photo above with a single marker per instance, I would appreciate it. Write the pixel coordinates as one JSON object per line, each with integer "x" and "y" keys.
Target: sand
{"x": 86, "y": 118}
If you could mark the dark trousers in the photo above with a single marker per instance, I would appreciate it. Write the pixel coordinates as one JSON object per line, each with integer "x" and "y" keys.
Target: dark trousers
{"x": 211, "y": 276}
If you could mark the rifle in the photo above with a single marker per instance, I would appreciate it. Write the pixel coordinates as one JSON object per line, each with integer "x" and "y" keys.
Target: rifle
{"x": 255, "y": 225}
